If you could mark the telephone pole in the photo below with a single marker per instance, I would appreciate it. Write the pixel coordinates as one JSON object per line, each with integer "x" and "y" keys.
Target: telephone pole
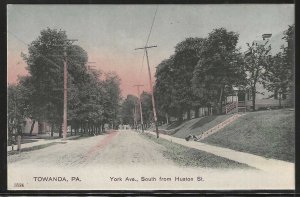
{"x": 65, "y": 118}
{"x": 151, "y": 88}
{"x": 140, "y": 103}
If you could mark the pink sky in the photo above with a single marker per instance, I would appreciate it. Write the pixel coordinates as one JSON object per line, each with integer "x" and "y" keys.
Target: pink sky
{"x": 129, "y": 69}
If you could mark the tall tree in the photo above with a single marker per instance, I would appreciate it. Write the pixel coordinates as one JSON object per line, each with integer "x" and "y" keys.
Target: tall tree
{"x": 279, "y": 74}
{"x": 289, "y": 57}
{"x": 112, "y": 90}
{"x": 219, "y": 68}
{"x": 45, "y": 66}
{"x": 147, "y": 107}
{"x": 257, "y": 59}
{"x": 15, "y": 111}
{"x": 127, "y": 109}
{"x": 164, "y": 89}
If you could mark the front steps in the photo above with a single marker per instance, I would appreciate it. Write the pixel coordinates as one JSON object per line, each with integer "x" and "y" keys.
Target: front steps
{"x": 218, "y": 127}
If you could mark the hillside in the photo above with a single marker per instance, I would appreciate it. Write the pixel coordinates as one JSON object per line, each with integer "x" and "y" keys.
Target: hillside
{"x": 194, "y": 126}
{"x": 265, "y": 133}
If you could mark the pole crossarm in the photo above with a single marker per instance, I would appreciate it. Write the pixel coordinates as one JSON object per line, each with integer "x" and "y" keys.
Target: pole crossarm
{"x": 151, "y": 86}
{"x": 146, "y": 47}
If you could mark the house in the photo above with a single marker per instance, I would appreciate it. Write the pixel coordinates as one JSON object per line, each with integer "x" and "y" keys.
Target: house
{"x": 264, "y": 99}
{"x": 27, "y": 126}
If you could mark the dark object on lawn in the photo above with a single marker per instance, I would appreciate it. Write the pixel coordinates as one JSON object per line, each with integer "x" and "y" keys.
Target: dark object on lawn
{"x": 195, "y": 138}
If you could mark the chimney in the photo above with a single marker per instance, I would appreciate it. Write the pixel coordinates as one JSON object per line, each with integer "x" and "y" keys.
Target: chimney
{"x": 264, "y": 36}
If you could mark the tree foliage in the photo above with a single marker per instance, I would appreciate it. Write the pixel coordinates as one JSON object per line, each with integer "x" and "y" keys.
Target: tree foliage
{"x": 93, "y": 96}
{"x": 257, "y": 59}
{"x": 219, "y": 68}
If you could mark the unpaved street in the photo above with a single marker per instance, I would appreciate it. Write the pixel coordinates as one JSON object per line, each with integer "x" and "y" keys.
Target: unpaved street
{"x": 117, "y": 148}
{"x": 120, "y": 160}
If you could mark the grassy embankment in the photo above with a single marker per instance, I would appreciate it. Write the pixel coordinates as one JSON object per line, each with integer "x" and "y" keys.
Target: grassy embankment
{"x": 196, "y": 126}
{"x": 266, "y": 133}
{"x": 189, "y": 157}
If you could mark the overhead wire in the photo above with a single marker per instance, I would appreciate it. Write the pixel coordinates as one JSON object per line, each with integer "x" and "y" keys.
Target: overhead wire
{"x": 148, "y": 37}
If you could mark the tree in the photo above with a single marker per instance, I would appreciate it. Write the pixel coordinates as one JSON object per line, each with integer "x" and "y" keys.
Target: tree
{"x": 15, "y": 110}
{"x": 279, "y": 74}
{"x": 45, "y": 81}
{"x": 173, "y": 79}
{"x": 146, "y": 101}
{"x": 289, "y": 59}
{"x": 163, "y": 88}
{"x": 277, "y": 77}
{"x": 219, "y": 68}
{"x": 127, "y": 109}
{"x": 257, "y": 59}
{"x": 112, "y": 97}
{"x": 183, "y": 66}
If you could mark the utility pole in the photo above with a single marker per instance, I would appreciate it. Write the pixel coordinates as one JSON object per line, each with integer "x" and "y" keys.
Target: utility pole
{"x": 65, "y": 118}
{"x": 151, "y": 88}
{"x": 141, "y": 111}
{"x": 134, "y": 117}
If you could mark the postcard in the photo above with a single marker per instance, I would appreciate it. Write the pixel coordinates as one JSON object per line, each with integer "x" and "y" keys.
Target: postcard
{"x": 150, "y": 97}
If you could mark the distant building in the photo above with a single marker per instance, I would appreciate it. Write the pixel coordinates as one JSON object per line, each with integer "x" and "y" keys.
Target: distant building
{"x": 27, "y": 126}
{"x": 264, "y": 98}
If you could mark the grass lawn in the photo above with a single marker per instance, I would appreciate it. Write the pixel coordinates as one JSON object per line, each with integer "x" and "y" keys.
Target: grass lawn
{"x": 189, "y": 157}
{"x": 266, "y": 133}
{"x": 174, "y": 124}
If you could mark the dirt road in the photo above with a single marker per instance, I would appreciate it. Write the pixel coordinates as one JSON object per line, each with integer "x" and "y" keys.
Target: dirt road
{"x": 117, "y": 148}
{"x": 125, "y": 160}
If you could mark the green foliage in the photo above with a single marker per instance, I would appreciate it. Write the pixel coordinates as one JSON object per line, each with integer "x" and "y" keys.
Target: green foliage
{"x": 200, "y": 73}
{"x": 257, "y": 59}
{"x": 173, "y": 88}
{"x": 127, "y": 109}
{"x": 277, "y": 76}
{"x": 146, "y": 100}
{"x": 15, "y": 111}
{"x": 92, "y": 101}
{"x": 279, "y": 73}
{"x": 219, "y": 68}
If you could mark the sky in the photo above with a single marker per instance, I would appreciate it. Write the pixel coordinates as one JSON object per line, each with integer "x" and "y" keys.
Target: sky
{"x": 110, "y": 33}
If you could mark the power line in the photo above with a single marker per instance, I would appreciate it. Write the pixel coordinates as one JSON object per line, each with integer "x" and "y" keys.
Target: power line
{"x": 153, "y": 20}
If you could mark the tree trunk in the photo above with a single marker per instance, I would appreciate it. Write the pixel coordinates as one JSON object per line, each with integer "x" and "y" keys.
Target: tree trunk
{"x": 253, "y": 98}
{"x": 40, "y": 127}
{"x": 220, "y": 101}
{"x": 60, "y": 130}
{"x": 167, "y": 118}
{"x": 196, "y": 112}
{"x": 188, "y": 114}
{"x": 52, "y": 129}
{"x": 280, "y": 95}
{"x": 32, "y": 126}
{"x": 71, "y": 130}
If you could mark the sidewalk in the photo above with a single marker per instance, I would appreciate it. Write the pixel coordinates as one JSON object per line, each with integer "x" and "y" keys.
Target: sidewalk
{"x": 261, "y": 163}
{"x": 38, "y": 143}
